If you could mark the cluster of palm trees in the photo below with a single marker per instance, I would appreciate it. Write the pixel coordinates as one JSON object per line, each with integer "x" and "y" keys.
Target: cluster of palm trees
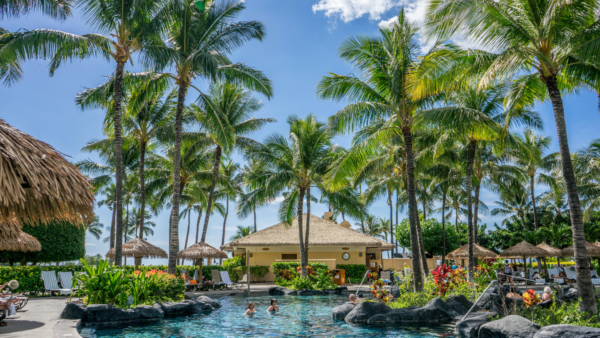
{"x": 428, "y": 126}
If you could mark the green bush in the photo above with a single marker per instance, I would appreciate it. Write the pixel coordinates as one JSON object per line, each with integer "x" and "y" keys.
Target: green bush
{"x": 353, "y": 271}
{"x": 568, "y": 313}
{"x": 278, "y": 267}
{"x": 60, "y": 241}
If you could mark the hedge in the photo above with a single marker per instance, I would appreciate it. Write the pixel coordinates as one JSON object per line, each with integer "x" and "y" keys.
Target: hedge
{"x": 353, "y": 271}
{"x": 279, "y": 266}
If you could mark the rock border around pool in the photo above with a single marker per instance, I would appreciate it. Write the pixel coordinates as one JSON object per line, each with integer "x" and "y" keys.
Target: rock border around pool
{"x": 102, "y": 315}
{"x": 281, "y": 291}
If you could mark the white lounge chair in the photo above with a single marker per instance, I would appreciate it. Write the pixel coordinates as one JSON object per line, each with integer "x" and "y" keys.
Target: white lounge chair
{"x": 216, "y": 277}
{"x": 226, "y": 280}
{"x": 554, "y": 272}
{"x": 51, "y": 284}
{"x": 571, "y": 274}
{"x": 196, "y": 275}
{"x": 66, "y": 279}
{"x": 244, "y": 280}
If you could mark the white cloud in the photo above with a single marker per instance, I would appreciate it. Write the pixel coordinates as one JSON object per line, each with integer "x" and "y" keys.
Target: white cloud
{"x": 277, "y": 200}
{"x": 349, "y": 10}
{"x": 415, "y": 12}
{"x": 90, "y": 244}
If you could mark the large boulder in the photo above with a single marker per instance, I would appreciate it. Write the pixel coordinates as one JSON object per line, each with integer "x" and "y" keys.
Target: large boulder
{"x": 567, "y": 331}
{"x": 148, "y": 313}
{"x": 365, "y": 310}
{"x": 73, "y": 311}
{"x": 505, "y": 306}
{"x": 509, "y": 327}
{"x": 340, "y": 312}
{"x": 310, "y": 293}
{"x": 280, "y": 291}
{"x": 171, "y": 309}
{"x": 97, "y": 313}
{"x": 434, "y": 312}
{"x": 459, "y": 304}
{"x": 469, "y": 327}
{"x": 204, "y": 303}
{"x": 570, "y": 295}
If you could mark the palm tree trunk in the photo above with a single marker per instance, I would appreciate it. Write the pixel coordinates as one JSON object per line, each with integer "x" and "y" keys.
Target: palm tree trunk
{"x": 476, "y": 212}
{"x": 112, "y": 227}
{"x": 421, "y": 246}
{"x": 362, "y": 217}
{"x": 187, "y": 235}
{"x": 391, "y": 219}
{"x": 254, "y": 210}
{"x": 142, "y": 188}
{"x": 470, "y": 160}
{"x": 443, "y": 226}
{"x": 535, "y": 223}
{"x": 119, "y": 160}
{"x": 456, "y": 225}
{"x": 198, "y": 224}
{"x": 396, "y": 250}
{"x": 125, "y": 232}
{"x": 174, "y": 220}
{"x": 225, "y": 223}
{"x": 412, "y": 207}
{"x": 307, "y": 230}
{"x": 424, "y": 211}
{"x": 303, "y": 262}
{"x": 584, "y": 279}
{"x": 215, "y": 176}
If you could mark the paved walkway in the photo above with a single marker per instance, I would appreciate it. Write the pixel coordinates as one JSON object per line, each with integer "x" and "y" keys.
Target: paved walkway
{"x": 37, "y": 319}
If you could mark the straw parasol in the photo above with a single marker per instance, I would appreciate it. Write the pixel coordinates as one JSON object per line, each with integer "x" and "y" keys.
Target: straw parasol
{"x": 24, "y": 242}
{"x": 200, "y": 251}
{"x": 556, "y": 252}
{"x": 37, "y": 184}
{"x": 478, "y": 252}
{"x": 523, "y": 250}
{"x": 139, "y": 248}
{"x": 592, "y": 250}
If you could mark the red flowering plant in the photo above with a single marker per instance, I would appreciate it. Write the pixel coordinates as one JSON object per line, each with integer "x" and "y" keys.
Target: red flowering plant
{"x": 379, "y": 292}
{"x": 442, "y": 274}
{"x": 531, "y": 298}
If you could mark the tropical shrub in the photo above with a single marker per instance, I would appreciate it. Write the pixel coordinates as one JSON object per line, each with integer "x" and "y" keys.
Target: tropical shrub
{"x": 279, "y": 266}
{"x": 379, "y": 292}
{"x": 353, "y": 271}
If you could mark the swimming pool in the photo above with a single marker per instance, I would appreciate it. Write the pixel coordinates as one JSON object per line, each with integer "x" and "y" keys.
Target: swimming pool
{"x": 299, "y": 316}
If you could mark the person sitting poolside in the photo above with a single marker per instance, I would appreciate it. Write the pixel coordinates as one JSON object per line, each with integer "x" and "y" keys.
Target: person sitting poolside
{"x": 536, "y": 275}
{"x": 513, "y": 293}
{"x": 250, "y": 310}
{"x": 273, "y": 306}
{"x": 547, "y": 293}
{"x": 508, "y": 273}
{"x": 206, "y": 282}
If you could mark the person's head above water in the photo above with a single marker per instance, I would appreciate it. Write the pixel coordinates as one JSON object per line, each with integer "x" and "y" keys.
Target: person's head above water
{"x": 251, "y": 305}
{"x": 360, "y": 295}
{"x": 352, "y": 297}
{"x": 273, "y": 301}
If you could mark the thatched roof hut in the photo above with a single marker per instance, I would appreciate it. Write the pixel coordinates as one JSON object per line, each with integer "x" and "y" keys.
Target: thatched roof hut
{"x": 199, "y": 251}
{"x": 322, "y": 233}
{"x": 139, "y": 248}
{"x": 37, "y": 184}
{"x": 524, "y": 249}
{"x": 555, "y": 252}
{"x": 23, "y": 242}
{"x": 592, "y": 250}
{"x": 478, "y": 252}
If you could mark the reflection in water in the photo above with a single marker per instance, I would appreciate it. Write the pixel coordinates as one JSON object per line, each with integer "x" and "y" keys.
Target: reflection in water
{"x": 304, "y": 316}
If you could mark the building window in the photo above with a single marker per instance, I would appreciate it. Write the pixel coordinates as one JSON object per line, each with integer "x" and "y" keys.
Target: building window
{"x": 289, "y": 256}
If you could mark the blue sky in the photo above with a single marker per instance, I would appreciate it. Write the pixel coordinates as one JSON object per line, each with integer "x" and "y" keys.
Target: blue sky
{"x": 300, "y": 47}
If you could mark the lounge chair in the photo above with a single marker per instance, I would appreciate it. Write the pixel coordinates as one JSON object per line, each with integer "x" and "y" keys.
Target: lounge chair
{"x": 51, "y": 284}
{"x": 66, "y": 279}
{"x": 244, "y": 280}
{"x": 226, "y": 280}
{"x": 554, "y": 272}
{"x": 216, "y": 277}
{"x": 572, "y": 275}
{"x": 386, "y": 277}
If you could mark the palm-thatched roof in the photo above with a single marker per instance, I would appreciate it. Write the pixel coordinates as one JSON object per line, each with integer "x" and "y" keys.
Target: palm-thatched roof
{"x": 524, "y": 249}
{"x": 322, "y": 232}
{"x": 200, "y": 251}
{"x": 478, "y": 252}
{"x": 37, "y": 184}
{"x": 23, "y": 242}
{"x": 592, "y": 250}
{"x": 138, "y": 247}
{"x": 556, "y": 252}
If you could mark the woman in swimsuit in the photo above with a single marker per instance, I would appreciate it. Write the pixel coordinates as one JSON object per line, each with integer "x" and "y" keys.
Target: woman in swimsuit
{"x": 273, "y": 307}
{"x": 250, "y": 310}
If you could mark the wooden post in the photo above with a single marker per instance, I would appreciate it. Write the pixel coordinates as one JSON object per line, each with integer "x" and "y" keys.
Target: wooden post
{"x": 248, "y": 270}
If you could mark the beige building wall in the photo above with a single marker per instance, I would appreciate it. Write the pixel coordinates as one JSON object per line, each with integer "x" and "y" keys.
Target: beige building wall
{"x": 398, "y": 263}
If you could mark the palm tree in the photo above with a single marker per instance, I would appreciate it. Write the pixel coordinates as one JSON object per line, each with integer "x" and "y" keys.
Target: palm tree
{"x": 457, "y": 198}
{"x": 241, "y": 232}
{"x": 253, "y": 182}
{"x": 232, "y": 190}
{"x": 198, "y": 46}
{"x": 293, "y": 167}
{"x": 558, "y": 52}
{"x": 225, "y": 116}
{"x": 529, "y": 155}
{"x": 514, "y": 202}
{"x": 109, "y": 199}
{"x": 373, "y": 226}
{"x": 95, "y": 228}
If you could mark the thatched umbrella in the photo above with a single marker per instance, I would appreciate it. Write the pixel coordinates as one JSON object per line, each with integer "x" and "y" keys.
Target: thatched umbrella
{"x": 38, "y": 185}
{"x": 478, "y": 252}
{"x": 523, "y": 250}
{"x": 199, "y": 251}
{"x": 139, "y": 248}
{"x": 24, "y": 242}
{"x": 556, "y": 252}
{"x": 592, "y": 250}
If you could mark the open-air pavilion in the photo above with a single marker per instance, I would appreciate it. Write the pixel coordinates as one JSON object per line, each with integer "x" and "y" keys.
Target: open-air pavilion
{"x": 462, "y": 253}
{"x": 524, "y": 250}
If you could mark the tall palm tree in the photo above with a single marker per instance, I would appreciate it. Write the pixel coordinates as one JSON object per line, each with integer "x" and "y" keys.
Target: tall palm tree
{"x": 232, "y": 190}
{"x": 293, "y": 167}
{"x": 372, "y": 225}
{"x": 94, "y": 228}
{"x": 241, "y": 232}
{"x": 514, "y": 202}
{"x": 198, "y": 46}
{"x": 109, "y": 200}
{"x": 457, "y": 199}
{"x": 225, "y": 118}
{"x": 553, "y": 46}
{"x": 250, "y": 199}
{"x": 529, "y": 155}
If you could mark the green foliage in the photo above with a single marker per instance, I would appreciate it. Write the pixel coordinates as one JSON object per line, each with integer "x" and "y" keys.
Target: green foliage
{"x": 259, "y": 271}
{"x": 30, "y": 277}
{"x": 568, "y": 313}
{"x": 286, "y": 275}
{"x": 278, "y": 267}
{"x": 60, "y": 241}
{"x": 353, "y": 271}
{"x": 234, "y": 262}
{"x": 432, "y": 236}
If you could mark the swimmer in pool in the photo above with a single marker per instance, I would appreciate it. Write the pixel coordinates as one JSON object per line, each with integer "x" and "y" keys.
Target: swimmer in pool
{"x": 273, "y": 307}
{"x": 250, "y": 310}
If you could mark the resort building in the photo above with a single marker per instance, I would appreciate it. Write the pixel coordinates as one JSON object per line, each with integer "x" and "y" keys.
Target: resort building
{"x": 329, "y": 242}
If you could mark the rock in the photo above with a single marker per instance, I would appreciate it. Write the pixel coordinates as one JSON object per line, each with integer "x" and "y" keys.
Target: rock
{"x": 149, "y": 313}
{"x": 545, "y": 304}
{"x": 505, "y": 306}
{"x": 485, "y": 302}
{"x": 469, "y": 328}
{"x": 178, "y": 308}
{"x": 434, "y": 312}
{"x": 340, "y": 312}
{"x": 510, "y": 327}
{"x": 310, "y": 292}
{"x": 279, "y": 291}
{"x": 97, "y": 313}
{"x": 207, "y": 304}
{"x": 567, "y": 331}
{"x": 395, "y": 291}
{"x": 131, "y": 315}
{"x": 459, "y": 304}
{"x": 571, "y": 295}
{"x": 365, "y": 310}
{"x": 341, "y": 288}
{"x": 74, "y": 311}
{"x": 380, "y": 319}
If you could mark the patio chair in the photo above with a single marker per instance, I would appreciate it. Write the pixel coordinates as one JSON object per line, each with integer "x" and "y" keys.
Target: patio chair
{"x": 244, "y": 280}
{"x": 572, "y": 275}
{"x": 51, "y": 284}
{"x": 226, "y": 280}
{"x": 216, "y": 277}
{"x": 554, "y": 272}
{"x": 386, "y": 277}
{"x": 196, "y": 275}
{"x": 66, "y": 279}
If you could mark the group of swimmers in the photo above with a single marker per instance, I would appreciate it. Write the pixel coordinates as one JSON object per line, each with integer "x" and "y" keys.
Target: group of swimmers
{"x": 273, "y": 308}
{"x": 355, "y": 300}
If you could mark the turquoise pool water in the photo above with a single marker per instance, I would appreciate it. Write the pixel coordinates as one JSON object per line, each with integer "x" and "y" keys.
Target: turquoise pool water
{"x": 307, "y": 316}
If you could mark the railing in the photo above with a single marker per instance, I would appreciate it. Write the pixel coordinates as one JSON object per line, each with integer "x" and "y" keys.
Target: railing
{"x": 361, "y": 283}
{"x": 474, "y": 304}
